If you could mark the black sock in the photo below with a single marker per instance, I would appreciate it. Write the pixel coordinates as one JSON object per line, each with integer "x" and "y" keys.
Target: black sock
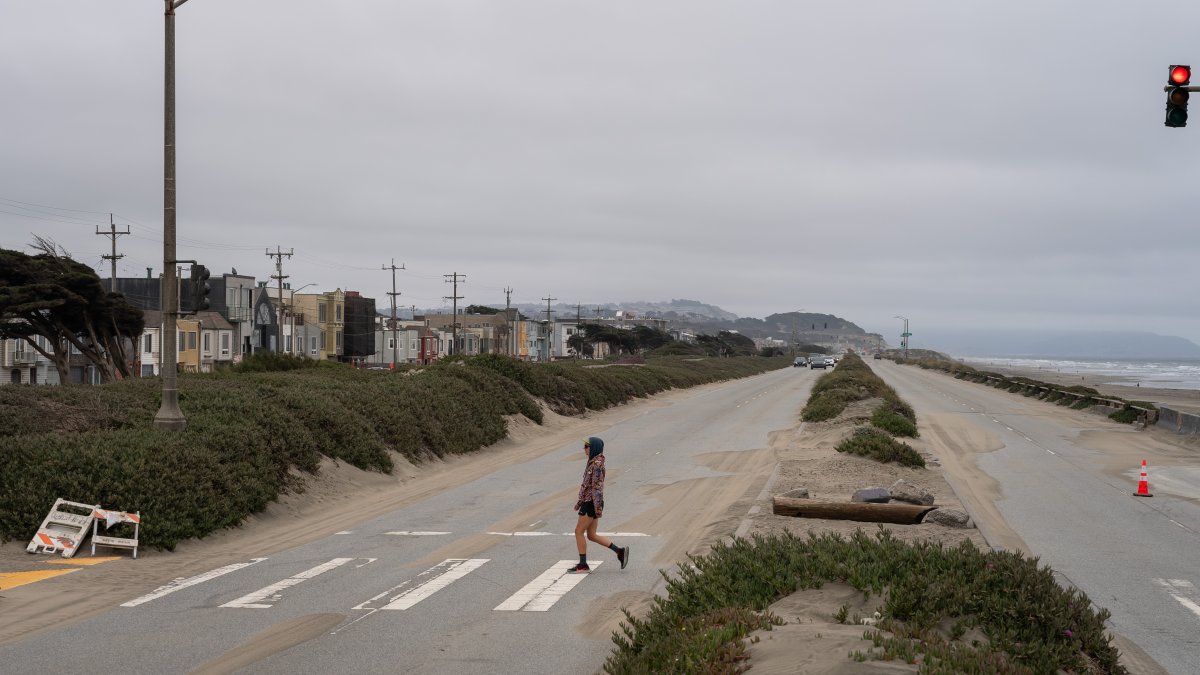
{"x": 614, "y": 547}
{"x": 582, "y": 558}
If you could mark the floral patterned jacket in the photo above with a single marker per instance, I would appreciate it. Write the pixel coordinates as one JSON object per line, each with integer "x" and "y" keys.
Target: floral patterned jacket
{"x": 592, "y": 487}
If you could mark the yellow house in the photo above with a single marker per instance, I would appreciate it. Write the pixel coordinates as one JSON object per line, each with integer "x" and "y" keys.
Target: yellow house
{"x": 328, "y": 312}
{"x": 189, "y": 345}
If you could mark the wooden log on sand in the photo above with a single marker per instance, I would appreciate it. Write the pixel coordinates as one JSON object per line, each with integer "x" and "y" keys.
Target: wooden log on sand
{"x": 903, "y": 514}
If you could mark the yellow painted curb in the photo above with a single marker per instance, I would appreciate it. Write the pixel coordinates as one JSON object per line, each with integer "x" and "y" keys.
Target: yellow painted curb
{"x": 13, "y": 579}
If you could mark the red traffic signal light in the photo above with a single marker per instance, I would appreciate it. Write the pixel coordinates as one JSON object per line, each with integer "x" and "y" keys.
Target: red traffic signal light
{"x": 1178, "y": 95}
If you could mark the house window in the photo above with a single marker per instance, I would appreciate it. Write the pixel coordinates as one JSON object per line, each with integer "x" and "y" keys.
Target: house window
{"x": 414, "y": 344}
{"x": 182, "y": 342}
{"x": 324, "y": 341}
{"x": 391, "y": 343}
{"x": 339, "y": 341}
{"x": 322, "y": 313}
{"x": 312, "y": 345}
{"x": 191, "y": 339}
{"x": 224, "y": 344}
{"x": 288, "y": 342}
{"x": 339, "y": 313}
{"x": 207, "y": 343}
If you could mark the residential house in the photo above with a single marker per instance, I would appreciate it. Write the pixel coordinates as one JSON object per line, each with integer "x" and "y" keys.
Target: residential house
{"x": 20, "y": 363}
{"x": 329, "y": 310}
{"x": 477, "y": 333}
{"x": 404, "y": 342}
{"x": 233, "y": 296}
{"x": 216, "y": 341}
{"x": 359, "y": 341}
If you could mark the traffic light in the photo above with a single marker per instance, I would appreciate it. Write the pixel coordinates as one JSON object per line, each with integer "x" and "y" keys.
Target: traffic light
{"x": 200, "y": 287}
{"x": 1177, "y": 95}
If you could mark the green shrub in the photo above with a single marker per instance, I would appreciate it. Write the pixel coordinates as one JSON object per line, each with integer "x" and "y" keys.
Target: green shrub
{"x": 897, "y": 425}
{"x": 1126, "y": 415}
{"x": 876, "y": 444}
{"x": 264, "y": 361}
{"x": 1031, "y": 623}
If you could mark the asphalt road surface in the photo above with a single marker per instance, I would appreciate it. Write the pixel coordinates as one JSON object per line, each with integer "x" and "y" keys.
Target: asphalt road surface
{"x": 1066, "y": 481}
{"x": 471, "y": 580}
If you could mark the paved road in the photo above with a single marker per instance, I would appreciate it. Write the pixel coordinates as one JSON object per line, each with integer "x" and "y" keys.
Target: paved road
{"x": 468, "y": 581}
{"x": 1137, "y": 557}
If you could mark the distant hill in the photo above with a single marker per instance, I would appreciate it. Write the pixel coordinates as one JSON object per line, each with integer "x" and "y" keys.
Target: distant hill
{"x": 710, "y": 319}
{"x": 1063, "y": 344}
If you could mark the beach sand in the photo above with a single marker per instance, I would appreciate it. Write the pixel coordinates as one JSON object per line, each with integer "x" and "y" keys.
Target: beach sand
{"x": 1183, "y": 400}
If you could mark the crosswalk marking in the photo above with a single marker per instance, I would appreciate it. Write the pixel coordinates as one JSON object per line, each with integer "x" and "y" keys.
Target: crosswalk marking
{"x": 540, "y": 594}
{"x": 180, "y": 584}
{"x": 444, "y": 574}
{"x": 257, "y": 599}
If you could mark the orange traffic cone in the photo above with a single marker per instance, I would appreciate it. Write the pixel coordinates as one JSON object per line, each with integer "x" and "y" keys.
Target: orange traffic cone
{"x": 1143, "y": 489}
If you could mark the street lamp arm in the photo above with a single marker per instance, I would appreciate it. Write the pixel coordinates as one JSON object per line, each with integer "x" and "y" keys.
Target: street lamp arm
{"x": 177, "y": 3}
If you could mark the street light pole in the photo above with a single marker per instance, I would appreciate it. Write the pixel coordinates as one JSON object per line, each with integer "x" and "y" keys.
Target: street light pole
{"x": 169, "y": 416}
{"x": 904, "y": 335}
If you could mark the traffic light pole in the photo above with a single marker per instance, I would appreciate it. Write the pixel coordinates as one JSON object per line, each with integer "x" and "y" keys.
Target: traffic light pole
{"x": 169, "y": 416}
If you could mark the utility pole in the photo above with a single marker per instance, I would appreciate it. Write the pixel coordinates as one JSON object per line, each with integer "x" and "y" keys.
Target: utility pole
{"x": 169, "y": 417}
{"x": 279, "y": 276}
{"x": 395, "y": 338}
{"x": 112, "y": 232}
{"x": 549, "y": 328}
{"x": 453, "y": 278}
{"x": 508, "y": 291}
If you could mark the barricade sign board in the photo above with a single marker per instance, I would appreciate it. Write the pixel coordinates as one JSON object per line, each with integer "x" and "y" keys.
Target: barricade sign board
{"x": 112, "y": 518}
{"x": 63, "y": 529}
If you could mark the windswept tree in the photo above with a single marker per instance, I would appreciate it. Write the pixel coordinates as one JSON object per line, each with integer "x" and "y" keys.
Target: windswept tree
{"x": 63, "y": 301}
{"x": 727, "y": 343}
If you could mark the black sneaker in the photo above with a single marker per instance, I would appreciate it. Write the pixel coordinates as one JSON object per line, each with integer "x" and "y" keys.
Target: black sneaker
{"x": 581, "y": 568}
{"x": 623, "y": 557}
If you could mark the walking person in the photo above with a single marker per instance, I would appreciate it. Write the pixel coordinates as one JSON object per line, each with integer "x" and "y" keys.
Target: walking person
{"x": 590, "y": 507}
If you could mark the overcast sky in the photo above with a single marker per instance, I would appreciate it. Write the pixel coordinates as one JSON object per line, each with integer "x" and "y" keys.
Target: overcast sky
{"x": 967, "y": 165}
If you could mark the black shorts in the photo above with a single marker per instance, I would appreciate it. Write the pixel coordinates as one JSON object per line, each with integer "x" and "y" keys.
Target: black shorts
{"x": 588, "y": 509}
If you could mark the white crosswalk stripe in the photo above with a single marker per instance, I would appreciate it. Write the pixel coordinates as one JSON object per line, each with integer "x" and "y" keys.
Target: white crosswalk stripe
{"x": 259, "y": 599}
{"x": 180, "y": 584}
{"x": 444, "y": 574}
{"x": 540, "y": 594}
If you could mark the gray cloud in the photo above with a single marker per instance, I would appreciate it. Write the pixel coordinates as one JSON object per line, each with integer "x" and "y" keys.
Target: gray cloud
{"x": 952, "y": 162}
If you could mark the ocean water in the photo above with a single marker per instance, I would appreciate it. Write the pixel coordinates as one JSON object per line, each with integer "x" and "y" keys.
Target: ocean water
{"x": 1160, "y": 374}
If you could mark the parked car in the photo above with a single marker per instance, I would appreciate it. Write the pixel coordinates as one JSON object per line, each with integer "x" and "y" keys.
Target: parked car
{"x": 799, "y": 361}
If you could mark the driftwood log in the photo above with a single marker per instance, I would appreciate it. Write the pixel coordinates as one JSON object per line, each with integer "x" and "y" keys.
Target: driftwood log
{"x": 904, "y": 514}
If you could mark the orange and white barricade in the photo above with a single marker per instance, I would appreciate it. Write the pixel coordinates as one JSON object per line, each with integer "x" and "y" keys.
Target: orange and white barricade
{"x": 110, "y": 518}
{"x": 63, "y": 531}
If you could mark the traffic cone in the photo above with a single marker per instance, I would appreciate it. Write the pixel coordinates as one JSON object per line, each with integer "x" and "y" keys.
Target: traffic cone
{"x": 1143, "y": 489}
